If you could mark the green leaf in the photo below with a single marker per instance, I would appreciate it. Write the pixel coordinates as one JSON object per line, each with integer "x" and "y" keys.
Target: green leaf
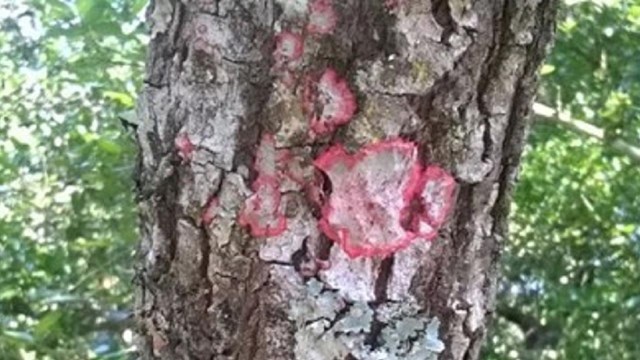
{"x": 94, "y": 12}
{"x": 109, "y": 146}
{"x": 47, "y": 324}
{"x": 107, "y": 28}
{"x": 84, "y": 7}
{"x": 120, "y": 97}
{"x": 9, "y": 293}
{"x": 547, "y": 69}
{"x": 138, "y": 5}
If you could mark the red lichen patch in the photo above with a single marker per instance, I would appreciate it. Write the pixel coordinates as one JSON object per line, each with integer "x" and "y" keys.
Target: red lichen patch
{"x": 370, "y": 190}
{"x": 210, "y": 211}
{"x": 381, "y": 201}
{"x": 184, "y": 146}
{"x": 436, "y": 195}
{"x": 262, "y": 211}
{"x": 322, "y": 17}
{"x": 289, "y": 49}
{"x": 329, "y": 102}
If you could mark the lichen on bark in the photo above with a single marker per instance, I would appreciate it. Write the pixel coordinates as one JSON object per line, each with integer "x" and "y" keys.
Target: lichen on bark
{"x": 454, "y": 77}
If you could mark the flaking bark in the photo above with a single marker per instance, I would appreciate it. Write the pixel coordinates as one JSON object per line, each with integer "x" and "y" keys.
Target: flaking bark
{"x": 457, "y": 77}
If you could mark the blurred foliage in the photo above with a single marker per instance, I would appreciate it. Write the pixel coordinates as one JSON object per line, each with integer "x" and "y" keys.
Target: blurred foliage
{"x": 67, "y": 216}
{"x": 571, "y": 272}
{"x": 69, "y": 68}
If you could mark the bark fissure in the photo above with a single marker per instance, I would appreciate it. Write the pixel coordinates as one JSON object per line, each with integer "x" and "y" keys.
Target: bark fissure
{"x": 491, "y": 66}
{"x": 382, "y": 279}
{"x": 442, "y": 14}
{"x": 166, "y": 214}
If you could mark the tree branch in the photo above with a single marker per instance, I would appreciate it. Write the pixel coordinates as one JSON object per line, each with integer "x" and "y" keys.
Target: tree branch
{"x": 564, "y": 118}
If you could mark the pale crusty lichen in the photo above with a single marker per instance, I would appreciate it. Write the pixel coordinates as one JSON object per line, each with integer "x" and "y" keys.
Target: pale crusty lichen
{"x": 405, "y": 266}
{"x": 354, "y": 279}
{"x": 302, "y": 226}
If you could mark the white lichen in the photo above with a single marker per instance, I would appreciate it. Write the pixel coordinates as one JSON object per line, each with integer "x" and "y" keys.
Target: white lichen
{"x": 354, "y": 279}
{"x": 405, "y": 266}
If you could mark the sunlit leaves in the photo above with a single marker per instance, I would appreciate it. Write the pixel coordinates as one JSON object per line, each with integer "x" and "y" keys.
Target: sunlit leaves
{"x": 67, "y": 229}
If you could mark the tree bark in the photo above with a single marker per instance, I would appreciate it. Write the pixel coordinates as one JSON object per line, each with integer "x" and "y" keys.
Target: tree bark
{"x": 455, "y": 77}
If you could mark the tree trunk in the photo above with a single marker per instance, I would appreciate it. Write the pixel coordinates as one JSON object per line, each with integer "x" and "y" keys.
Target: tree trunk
{"x": 455, "y": 78}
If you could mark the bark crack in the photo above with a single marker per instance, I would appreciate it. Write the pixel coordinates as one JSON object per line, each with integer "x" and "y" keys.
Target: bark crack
{"x": 491, "y": 67}
{"x": 442, "y": 15}
{"x": 382, "y": 280}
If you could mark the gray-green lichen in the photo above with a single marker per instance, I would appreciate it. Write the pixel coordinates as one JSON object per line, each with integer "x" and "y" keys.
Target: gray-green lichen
{"x": 332, "y": 328}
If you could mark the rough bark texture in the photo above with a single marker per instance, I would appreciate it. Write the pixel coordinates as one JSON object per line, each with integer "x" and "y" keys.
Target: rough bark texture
{"x": 457, "y": 77}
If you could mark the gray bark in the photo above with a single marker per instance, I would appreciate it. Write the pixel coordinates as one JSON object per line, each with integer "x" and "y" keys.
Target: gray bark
{"x": 457, "y": 77}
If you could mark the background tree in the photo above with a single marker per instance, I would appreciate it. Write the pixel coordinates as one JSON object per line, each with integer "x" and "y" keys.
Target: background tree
{"x": 43, "y": 315}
